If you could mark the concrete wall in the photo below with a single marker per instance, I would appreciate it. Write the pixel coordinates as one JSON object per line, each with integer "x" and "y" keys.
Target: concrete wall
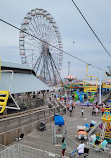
{"x": 11, "y": 128}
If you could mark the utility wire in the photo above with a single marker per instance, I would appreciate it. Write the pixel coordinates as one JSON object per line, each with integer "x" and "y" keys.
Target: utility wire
{"x": 91, "y": 29}
{"x": 53, "y": 46}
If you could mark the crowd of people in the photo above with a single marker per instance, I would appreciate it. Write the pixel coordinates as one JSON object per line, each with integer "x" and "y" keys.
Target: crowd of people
{"x": 70, "y": 106}
{"x": 99, "y": 108}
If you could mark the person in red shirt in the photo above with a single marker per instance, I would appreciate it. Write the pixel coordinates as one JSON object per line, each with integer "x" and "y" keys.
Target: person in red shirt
{"x": 68, "y": 107}
{"x": 103, "y": 110}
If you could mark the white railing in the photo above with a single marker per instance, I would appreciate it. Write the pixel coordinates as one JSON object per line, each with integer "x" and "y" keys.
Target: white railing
{"x": 22, "y": 151}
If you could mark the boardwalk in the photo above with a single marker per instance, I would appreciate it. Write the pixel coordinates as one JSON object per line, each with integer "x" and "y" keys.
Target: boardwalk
{"x": 43, "y": 140}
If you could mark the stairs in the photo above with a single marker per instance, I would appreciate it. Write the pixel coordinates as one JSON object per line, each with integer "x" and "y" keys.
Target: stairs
{"x": 3, "y": 100}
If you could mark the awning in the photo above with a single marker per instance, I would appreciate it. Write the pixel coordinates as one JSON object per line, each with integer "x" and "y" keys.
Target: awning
{"x": 21, "y": 83}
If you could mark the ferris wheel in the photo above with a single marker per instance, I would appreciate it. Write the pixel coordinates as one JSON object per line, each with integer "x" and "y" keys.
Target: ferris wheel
{"x": 41, "y": 46}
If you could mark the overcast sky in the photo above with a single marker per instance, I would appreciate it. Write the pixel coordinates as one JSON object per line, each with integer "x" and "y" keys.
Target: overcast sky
{"x": 77, "y": 38}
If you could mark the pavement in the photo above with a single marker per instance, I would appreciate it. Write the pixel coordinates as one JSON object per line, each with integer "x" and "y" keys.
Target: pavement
{"x": 43, "y": 139}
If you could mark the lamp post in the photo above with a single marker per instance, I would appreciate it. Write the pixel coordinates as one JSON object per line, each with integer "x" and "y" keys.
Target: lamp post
{"x": 100, "y": 89}
{"x": 68, "y": 68}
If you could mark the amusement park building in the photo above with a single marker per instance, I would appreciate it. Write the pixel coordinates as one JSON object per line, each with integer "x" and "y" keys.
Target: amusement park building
{"x": 23, "y": 79}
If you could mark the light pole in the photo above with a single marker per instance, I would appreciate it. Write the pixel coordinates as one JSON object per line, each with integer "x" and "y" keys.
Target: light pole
{"x": 100, "y": 90}
{"x": 68, "y": 68}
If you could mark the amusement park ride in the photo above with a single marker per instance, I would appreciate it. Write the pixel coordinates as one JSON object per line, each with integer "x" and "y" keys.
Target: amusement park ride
{"x": 92, "y": 87}
{"x": 41, "y": 45}
{"x": 106, "y": 126}
{"x": 100, "y": 139}
{"x": 103, "y": 137}
{"x": 85, "y": 87}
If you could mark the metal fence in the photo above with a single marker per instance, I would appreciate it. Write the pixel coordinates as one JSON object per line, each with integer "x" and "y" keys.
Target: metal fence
{"x": 22, "y": 151}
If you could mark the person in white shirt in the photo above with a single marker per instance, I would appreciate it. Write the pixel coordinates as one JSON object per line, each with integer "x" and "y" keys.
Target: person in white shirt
{"x": 70, "y": 107}
{"x": 70, "y": 102}
{"x": 96, "y": 110}
{"x": 80, "y": 149}
{"x": 82, "y": 111}
{"x": 70, "y": 110}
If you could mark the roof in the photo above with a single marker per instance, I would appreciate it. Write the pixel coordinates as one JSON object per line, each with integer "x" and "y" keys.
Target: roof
{"x": 21, "y": 83}
{"x": 15, "y": 65}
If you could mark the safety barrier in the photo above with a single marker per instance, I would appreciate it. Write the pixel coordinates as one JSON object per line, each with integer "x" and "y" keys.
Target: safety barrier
{"x": 22, "y": 151}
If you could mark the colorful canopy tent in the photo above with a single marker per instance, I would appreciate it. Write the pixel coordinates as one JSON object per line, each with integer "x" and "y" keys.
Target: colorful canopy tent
{"x": 59, "y": 120}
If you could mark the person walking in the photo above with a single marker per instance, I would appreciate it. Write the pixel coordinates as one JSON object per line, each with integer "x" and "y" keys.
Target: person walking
{"x": 63, "y": 146}
{"x": 65, "y": 99}
{"x": 80, "y": 149}
{"x": 74, "y": 105}
{"x": 96, "y": 111}
{"x": 67, "y": 107}
{"x": 87, "y": 103}
{"x": 103, "y": 110}
{"x": 82, "y": 112}
{"x": 70, "y": 109}
{"x": 70, "y": 106}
